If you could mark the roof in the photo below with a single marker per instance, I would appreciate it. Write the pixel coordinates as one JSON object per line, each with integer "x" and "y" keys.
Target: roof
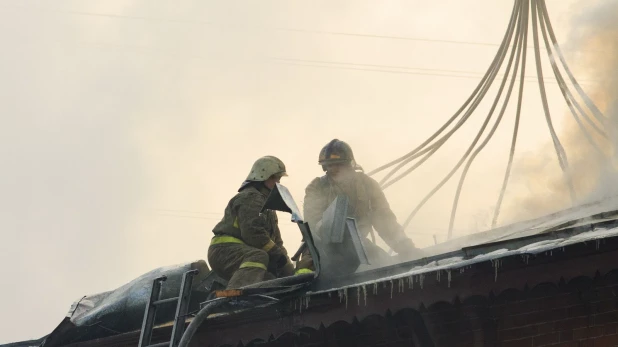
{"x": 28, "y": 343}
{"x": 562, "y": 264}
{"x": 570, "y": 217}
{"x": 590, "y": 222}
{"x": 582, "y": 241}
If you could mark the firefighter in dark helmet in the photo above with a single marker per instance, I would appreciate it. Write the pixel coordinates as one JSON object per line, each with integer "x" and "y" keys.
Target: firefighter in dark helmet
{"x": 368, "y": 204}
{"x": 247, "y": 247}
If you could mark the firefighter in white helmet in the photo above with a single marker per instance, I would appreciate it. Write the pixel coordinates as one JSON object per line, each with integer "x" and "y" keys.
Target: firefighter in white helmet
{"x": 247, "y": 247}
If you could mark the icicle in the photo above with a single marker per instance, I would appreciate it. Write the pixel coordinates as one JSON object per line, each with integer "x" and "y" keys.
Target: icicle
{"x": 301, "y": 304}
{"x": 438, "y": 275}
{"x": 401, "y": 285}
{"x": 496, "y": 264}
{"x": 340, "y": 293}
{"x": 375, "y": 288}
{"x": 307, "y": 301}
{"x": 563, "y": 249}
{"x": 357, "y": 296}
{"x": 421, "y": 279}
{"x": 448, "y": 272}
{"x": 391, "y": 289}
{"x": 411, "y": 282}
{"x": 345, "y": 293}
{"x": 329, "y": 294}
{"x": 598, "y": 244}
{"x": 365, "y": 294}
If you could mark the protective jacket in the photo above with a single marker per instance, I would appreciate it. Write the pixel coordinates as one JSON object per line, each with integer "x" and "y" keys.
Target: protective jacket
{"x": 243, "y": 220}
{"x": 368, "y": 205}
{"x": 247, "y": 247}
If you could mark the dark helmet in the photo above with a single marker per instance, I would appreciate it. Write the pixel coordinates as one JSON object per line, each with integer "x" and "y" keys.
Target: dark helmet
{"x": 336, "y": 151}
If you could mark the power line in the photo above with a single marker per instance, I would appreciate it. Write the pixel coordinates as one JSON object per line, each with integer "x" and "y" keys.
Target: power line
{"x": 371, "y": 67}
{"x": 374, "y": 36}
{"x": 293, "y": 61}
{"x": 282, "y": 224}
{"x": 185, "y": 216}
{"x": 526, "y": 79}
{"x": 186, "y": 211}
{"x": 293, "y": 30}
{"x": 103, "y": 15}
{"x": 393, "y": 69}
{"x": 308, "y": 31}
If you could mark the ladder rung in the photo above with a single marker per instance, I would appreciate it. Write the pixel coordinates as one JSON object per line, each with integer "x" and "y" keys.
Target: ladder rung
{"x": 160, "y": 344}
{"x": 165, "y": 301}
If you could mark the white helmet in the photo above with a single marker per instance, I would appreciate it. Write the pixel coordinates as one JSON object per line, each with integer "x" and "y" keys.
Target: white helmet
{"x": 265, "y": 167}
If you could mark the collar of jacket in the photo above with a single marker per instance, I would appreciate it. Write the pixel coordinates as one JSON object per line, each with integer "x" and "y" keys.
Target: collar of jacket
{"x": 262, "y": 189}
{"x": 259, "y": 186}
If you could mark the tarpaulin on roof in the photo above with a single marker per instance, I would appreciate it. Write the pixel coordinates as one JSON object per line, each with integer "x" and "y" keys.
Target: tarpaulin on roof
{"x": 122, "y": 310}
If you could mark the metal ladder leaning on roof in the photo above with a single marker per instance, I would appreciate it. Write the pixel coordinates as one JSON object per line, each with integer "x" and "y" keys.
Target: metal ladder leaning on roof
{"x": 182, "y": 307}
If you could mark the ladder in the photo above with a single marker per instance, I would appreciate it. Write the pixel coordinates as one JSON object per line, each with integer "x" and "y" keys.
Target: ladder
{"x": 181, "y": 310}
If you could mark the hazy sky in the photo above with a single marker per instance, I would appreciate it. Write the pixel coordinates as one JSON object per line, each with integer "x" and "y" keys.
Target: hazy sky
{"x": 128, "y": 125}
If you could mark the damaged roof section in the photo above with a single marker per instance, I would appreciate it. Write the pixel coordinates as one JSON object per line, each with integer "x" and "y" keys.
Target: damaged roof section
{"x": 461, "y": 262}
{"x": 588, "y": 223}
{"x": 582, "y": 215}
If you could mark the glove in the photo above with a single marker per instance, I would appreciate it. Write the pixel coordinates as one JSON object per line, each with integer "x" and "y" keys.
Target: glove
{"x": 278, "y": 256}
{"x": 403, "y": 245}
{"x": 407, "y": 250}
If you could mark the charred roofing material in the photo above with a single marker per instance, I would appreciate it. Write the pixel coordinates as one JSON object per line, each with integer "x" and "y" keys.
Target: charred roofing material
{"x": 591, "y": 222}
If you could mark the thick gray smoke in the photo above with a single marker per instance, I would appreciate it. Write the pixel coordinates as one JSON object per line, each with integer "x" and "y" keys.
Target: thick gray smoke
{"x": 541, "y": 187}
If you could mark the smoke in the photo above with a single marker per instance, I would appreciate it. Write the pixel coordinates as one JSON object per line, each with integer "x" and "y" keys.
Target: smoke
{"x": 540, "y": 185}
{"x": 129, "y": 125}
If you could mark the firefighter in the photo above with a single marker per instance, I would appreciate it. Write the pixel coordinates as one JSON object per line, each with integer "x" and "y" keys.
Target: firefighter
{"x": 247, "y": 247}
{"x": 367, "y": 204}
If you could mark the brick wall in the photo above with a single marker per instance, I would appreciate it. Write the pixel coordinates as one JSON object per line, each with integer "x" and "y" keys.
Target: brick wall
{"x": 587, "y": 316}
{"x": 581, "y": 313}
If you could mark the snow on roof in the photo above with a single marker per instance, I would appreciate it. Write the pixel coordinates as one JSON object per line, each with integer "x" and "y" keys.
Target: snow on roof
{"x": 417, "y": 273}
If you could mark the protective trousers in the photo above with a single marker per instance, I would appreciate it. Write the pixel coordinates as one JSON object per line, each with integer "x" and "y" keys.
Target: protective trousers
{"x": 239, "y": 264}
